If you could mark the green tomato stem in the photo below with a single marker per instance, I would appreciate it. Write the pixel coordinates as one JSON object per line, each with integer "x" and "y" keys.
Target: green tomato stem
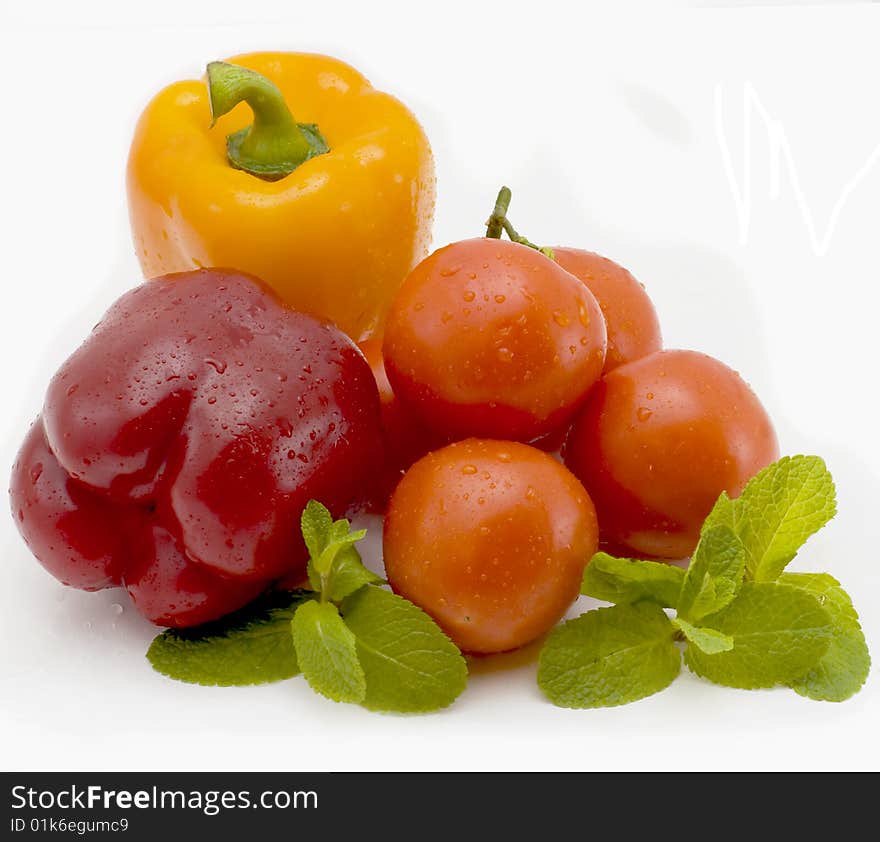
{"x": 275, "y": 144}
{"x": 495, "y": 223}
{"x": 498, "y": 223}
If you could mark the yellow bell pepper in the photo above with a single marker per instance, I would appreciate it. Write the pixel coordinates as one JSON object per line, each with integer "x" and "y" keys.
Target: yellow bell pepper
{"x": 332, "y": 213}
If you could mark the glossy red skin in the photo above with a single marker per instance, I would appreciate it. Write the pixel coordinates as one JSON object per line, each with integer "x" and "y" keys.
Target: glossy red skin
{"x": 491, "y": 539}
{"x": 184, "y": 438}
{"x": 659, "y": 440}
{"x": 630, "y": 317}
{"x": 407, "y": 438}
{"x": 491, "y": 338}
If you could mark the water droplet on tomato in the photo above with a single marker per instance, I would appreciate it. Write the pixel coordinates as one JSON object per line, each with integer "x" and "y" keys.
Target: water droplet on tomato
{"x": 561, "y": 318}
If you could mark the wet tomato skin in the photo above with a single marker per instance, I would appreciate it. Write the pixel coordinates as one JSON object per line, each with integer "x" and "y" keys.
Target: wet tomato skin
{"x": 659, "y": 440}
{"x": 630, "y": 317}
{"x": 491, "y": 338}
{"x": 406, "y": 436}
{"x": 490, "y": 538}
{"x": 179, "y": 444}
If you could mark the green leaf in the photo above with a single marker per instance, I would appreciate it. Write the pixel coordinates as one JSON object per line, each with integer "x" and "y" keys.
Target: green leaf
{"x": 723, "y": 514}
{"x": 340, "y": 533}
{"x": 316, "y": 523}
{"x": 326, "y": 652}
{"x": 844, "y": 668}
{"x": 251, "y": 646}
{"x": 348, "y": 574}
{"x": 779, "y": 509}
{"x": 609, "y": 656}
{"x": 334, "y": 568}
{"x": 715, "y": 574}
{"x": 626, "y": 580}
{"x": 779, "y": 633}
{"x": 709, "y": 641}
{"x": 411, "y": 666}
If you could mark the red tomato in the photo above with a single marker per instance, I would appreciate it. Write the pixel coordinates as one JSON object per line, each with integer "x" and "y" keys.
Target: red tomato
{"x": 407, "y": 438}
{"x": 659, "y": 440}
{"x": 491, "y": 338}
{"x": 490, "y": 538}
{"x": 633, "y": 327}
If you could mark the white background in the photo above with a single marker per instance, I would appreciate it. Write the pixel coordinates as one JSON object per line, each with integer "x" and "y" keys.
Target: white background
{"x": 607, "y": 130}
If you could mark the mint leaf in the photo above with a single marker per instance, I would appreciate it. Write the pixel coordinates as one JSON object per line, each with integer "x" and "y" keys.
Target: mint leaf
{"x": 335, "y": 569}
{"x": 316, "y": 523}
{"x": 609, "y": 656}
{"x": 780, "y": 508}
{"x": 325, "y": 649}
{"x": 715, "y": 574}
{"x": 706, "y": 640}
{"x": 626, "y": 580}
{"x": 251, "y": 646}
{"x": 411, "y": 666}
{"x": 348, "y": 574}
{"x": 844, "y": 668}
{"x": 340, "y": 533}
{"x": 779, "y": 633}
{"x": 723, "y": 514}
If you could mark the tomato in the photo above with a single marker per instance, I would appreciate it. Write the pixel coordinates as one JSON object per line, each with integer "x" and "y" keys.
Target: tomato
{"x": 659, "y": 440}
{"x": 407, "y": 438}
{"x": 490, "y": 538}
{"x": 491, "y": 338}
{"x": 630, "y": 317}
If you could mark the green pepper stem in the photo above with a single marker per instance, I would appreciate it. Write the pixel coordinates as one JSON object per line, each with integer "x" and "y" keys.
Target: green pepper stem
{"x": 275, "y": 144}
{"x": 498, "y": 223}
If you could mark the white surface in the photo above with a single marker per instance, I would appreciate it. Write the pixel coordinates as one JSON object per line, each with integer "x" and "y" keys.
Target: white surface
{"x": 607, "y": 132}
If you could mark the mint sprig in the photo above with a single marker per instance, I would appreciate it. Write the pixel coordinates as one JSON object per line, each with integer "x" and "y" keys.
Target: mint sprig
{"x": 352, "y": 640}
{"x": 742, "y": 621}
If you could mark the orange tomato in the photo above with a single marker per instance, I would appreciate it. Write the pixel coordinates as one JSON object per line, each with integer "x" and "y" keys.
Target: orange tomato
{"x": 490, "y": 538}
{"x": 491, "y": 338}
{"x": 659, "y": 440}
{"x": 406, "y": 438}
{"x": 630, "y": 317}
